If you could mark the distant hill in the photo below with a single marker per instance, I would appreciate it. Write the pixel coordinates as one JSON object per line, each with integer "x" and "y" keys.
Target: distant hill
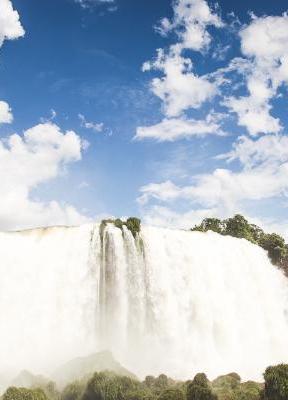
{"x": 28, "y": 380}
{"x": 84, "y": 367}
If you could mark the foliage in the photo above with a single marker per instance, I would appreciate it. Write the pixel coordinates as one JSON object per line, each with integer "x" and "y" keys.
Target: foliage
{"x": 109, "y": 386}
{"x": 171, "y": 394}
{"x": 229, "y": 387}
{"x": 239, "y": 227}
{"x": 133, "y": 224}
{"x": 200, "y": 389}
{"x": 275, "y": 245}
{"x": 103, "y": 386}
{"x": 276, "y": 382}
{"x": 14, "y": 393}
{"x": 210, "y": 224}
{"x": 73, "y": 391}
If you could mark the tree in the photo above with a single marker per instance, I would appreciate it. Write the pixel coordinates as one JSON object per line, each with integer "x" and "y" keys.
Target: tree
{"x": 149, "y": 381}
{"x": 171, "y": 394}
{"x": 199, "y": 389}
{"x": 275, "y": 245}
{"x": 73, "y": 391}
{"x": 239, "y": 227}
{"x": 162, "y": 381}
{"x": 108, "y": 386}
{"x": 134, "y": 225}
{"x": 14, "y": 393}
{"x": 210, "y": 224}
{"x": 276, "y": 382}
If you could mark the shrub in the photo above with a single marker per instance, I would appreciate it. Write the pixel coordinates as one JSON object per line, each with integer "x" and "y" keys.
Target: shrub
{"x": 276, "y": 382}
{"x": 199, "y": 389}
{"x": 134, "y": 225}
{"x": 14, "y": 393}
{"x": 73, "y": 391}
{"x": 171, "y": 394}
{"x": 210, "y": 224}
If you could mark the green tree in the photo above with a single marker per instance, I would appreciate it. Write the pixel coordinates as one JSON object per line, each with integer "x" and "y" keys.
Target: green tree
{"x": 108, "y": 386}
{"x": 161, "y": 382}
{"x": 276, "y": 382}
{"x": 149, "y": 381}
{"x": 134, "y": 225}
{"x": 275, "y": 245}
{"x": 210, "y": 224}
{"x": 14, "y": 393}
{"x": 73, "y": 391}
{"x": 239, "y": 227}
{"x": 171, "y": 394}
{"x": 199, "y": 389}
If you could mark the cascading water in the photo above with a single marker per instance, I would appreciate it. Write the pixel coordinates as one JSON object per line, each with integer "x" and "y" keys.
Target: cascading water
{"x": 170, "y": 301}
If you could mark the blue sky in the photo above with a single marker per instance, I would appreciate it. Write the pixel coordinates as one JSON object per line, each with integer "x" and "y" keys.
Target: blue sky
{"x": 95, "y": 122}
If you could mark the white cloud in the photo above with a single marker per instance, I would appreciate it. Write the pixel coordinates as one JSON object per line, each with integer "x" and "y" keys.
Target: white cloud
{"x": 27, "y": 161}
{"x": 254, "y": 115}
{"x": 270, "y": 149}
{"x": 177, "y": 128}
{"x": 263, "y": 175}
{"x": 165, "y": 217}
{"x": 94, "y": 126}
{"x": 91, "y": 3}
{"x": 264, "y": 42}
{"x": 179, "y": 89}
{"x": 10, "y": 26}
{"x": 191, "y": 18}
{"x": 6, "y": 116}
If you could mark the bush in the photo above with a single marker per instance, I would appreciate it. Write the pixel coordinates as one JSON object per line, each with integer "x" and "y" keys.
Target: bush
{"x": 199, "y": 389}
{"x": 210, "y": 224}
{"x": 108, "y": 386}
{"x": 275, "y": 245}
{"x": 276, "y": 382}
{"x": 171, "y": 394}
{"x": 239, "y": 227}
{"x": 73, "y": 391}
{"x": 14, "y": 393}
{"x": 134, "y": 225}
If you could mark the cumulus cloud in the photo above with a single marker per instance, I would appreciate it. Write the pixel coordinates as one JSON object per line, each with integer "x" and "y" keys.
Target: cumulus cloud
{"x": 177, "y": 128}
{"x": 190, "y": 21}
{"x": 10, "y": 28}
{"x": 6, "y": 116}
{"x": 263, "y": 175}
{"x": 26, "y": 161}
{"x": 10, "y": 25}
{"x": 264, "y": 42}
{"x": 166, "y": 217}
{"x": 180, "y": 88}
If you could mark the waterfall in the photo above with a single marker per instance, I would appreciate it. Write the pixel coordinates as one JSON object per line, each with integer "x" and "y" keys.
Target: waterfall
{"x": 167, "y": 301}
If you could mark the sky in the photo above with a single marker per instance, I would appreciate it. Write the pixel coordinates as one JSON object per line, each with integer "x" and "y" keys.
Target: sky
{"x": 169, "y": 110}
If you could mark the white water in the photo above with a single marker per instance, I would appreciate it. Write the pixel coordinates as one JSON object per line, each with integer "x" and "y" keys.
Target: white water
{"x": 188, "y": 302}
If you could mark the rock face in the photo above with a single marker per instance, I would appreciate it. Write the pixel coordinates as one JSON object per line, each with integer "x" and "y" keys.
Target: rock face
{"x": 84, "y": 367}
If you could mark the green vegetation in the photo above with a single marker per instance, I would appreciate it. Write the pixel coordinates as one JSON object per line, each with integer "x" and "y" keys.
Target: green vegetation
{"x": 109, "y": 386}
{"x": 200, "y": 389}
{"x": 276, "y": 382}
{"x": 133, "y": 224}
{"x": 14, "y": 393}
{"x": 239, "y": 227}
